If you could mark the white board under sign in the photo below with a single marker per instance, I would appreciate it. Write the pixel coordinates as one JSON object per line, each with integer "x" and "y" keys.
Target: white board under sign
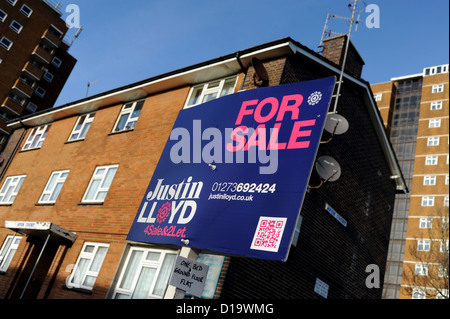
{"x": 189, "y": 275}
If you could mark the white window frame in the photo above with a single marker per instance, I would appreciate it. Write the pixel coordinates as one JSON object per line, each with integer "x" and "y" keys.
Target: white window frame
{"x": 433, "y": 141}
{"x": 429, "y": 180}
{"x": 7, "y": 251}
{"x": 36, "y": 138}
{"x": 17, "y": 27}
{"x": 48, "y": 77}
{"x": 444, "y": 246}
{"x": 437, "y": 88}
{"x": 12, "y": 2}
{"x": 82, "y": 127}
{"x": 10, "y": 189}
{"x": 446, "y": 201}
{"x": 213, "y": 92}
{"x": 446, "y": 180}
{"x": 431, "y": 160}
{"x": 40, "y": 91}
{"x": 427, "y": 201}
{"x": 3, "y": 16}
{"x": 88, "y": 271}
{"x": 434, "y": 123}
{"x": 418, "y": 293}
{"x": 421, "y": 269}
{"x": 127, "y": 113}
{"x": 98, "y": 181}
{"x": 24, "y": 9}
{"x": 121, "y": 292}
{"x": 436, "y": 105}
{"x": 4, "y": 45}
{"x": 426, "y": 222}
{"x": 56, "y": 62}
{"x": 378, "y": 97}
{"x": 423, "y": 245}
{"x": 54, "y": 186}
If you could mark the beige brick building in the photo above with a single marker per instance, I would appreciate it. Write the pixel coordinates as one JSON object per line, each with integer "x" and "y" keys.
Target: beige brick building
{"x": 415, "y": 110}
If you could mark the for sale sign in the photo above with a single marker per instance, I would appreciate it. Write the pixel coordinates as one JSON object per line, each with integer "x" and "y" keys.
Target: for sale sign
{"x": 234, "y": 172}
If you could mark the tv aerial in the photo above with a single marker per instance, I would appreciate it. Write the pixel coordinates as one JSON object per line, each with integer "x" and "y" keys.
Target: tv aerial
{"x": 355, "y": 8}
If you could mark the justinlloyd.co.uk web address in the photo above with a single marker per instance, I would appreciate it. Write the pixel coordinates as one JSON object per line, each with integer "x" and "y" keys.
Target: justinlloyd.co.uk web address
{"x": 230, "y": 197}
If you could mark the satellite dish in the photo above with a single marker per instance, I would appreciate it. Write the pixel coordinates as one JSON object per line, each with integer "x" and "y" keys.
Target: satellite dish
{"x": 261, "y": 77}
{"x": 328, "y": 169}
{"x": 336, "y": 124}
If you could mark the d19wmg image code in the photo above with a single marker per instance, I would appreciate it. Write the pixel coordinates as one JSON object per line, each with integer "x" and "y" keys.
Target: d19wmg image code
{"x": 268, "y": 234}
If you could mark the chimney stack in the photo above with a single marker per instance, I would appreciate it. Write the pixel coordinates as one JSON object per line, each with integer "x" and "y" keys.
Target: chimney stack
{"x": 334, "y": 50}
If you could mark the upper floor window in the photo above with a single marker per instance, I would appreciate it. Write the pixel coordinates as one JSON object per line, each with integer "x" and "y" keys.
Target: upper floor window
{"x": 128, "y": 116}
{"x": 378, "y": 97}
{"x": 16, "y": 26}
{"x": 53, "y": 187}
{"x": 82, "y": 127}
{"x": 7, "y": 251}
{"x": 3, "y": 15}
{"x": 425, "y": 222}
{"x": 429, "y": 180}
{"x": 436, "y": 105}
{"x": 88, "y": 266}
{"x": 209, "y": 91}
{"x": 100, "y": 183}
{"x": 56, "y": 62}
{"x": 26, "y": 10}
{"x": 12, "y": 2}
{"x": 431, "y": 160}
{"x": 37, "y": 137}
{"x": 437, "y": 88}
{"x": 434, "y": 123}
{"x": 6, "y": 43}
{"x": 10, "y": 189}
{"x": 423, "y": 245}
{"x": 433, "y": 141}
{"x": 427, "y": 200}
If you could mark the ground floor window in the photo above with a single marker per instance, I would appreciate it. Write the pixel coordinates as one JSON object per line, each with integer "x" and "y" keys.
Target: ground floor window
{"x": 7, "y": 251}
{"x": 145, "y": 274}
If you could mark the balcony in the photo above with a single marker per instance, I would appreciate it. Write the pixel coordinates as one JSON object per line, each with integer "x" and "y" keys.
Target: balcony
{"x": 42, "y": 55}
{"x": 51, "y": 39}
{"x": 33, "y": 71}
{"x": 13, "y": 105}
{"x": 22, "y": 89}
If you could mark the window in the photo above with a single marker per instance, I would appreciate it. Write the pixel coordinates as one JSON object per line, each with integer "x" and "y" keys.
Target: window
{"x": 425, "y": 222}
{"x": 378, "y": 97}
{"x": 429, "y": 180}
{"x": 31, "y": 107}
{"x": 7, "y": 251}
{"x": 26, "y": 10}
{"x": 3, "y": 15}
{"x": 423, "y": 245}
{"x": 36, "y": 138}
{"x": 145, "y": 274}
{"x": 418, "y": 293}
{"x": 10, "y": 189}
{"x": 421, "y": 269}
{"x": 6, "y": 43}
{"x": 444, "y": 246}
{"x": 446, "y": 201}
{"x": 82, "y": 127}
{"x": 210, "y": 91}
{"x": 433, "y": 141}
{"x": 446, "y": 179}
{"x": 40, "y": 91}
{"x": 434, "y": 123}
{"x": 431, "y": 160}
{"x": 437, "y": 105}
{"x": 56, "y": 62}
{"x": 428, "y": 201}
{"x": 16, "y": 26}
{"x": 437, "y": 88}
{"x": 48, "y": 77}
{"x": 88, "y": 266}
{"x": 53, "y": 187}
{"x": 100, "y": 184}
{"x": 12, "y": 2}
{"x": 128, "y": 116}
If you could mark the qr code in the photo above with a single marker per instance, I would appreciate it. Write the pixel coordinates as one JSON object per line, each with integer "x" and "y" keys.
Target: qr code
{"x": 268, "y": 234}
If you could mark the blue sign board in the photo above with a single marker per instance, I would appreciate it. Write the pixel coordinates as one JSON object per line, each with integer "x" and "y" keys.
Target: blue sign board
{"x": 233, "y": 174}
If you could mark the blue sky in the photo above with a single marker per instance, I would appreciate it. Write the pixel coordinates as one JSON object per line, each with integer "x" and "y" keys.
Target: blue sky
{"x": 123, "y": 42}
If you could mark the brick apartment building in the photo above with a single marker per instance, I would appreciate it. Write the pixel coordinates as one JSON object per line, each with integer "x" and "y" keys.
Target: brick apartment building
{"x": 74, "y": 178}
{"x": 415, "y": 112}
{"x": 34, "y": 62}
